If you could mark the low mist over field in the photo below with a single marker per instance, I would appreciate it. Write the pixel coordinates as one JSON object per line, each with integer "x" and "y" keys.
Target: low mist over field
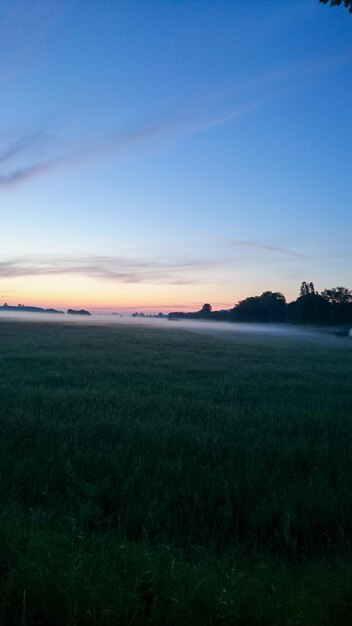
{"x": 224, "y": 330}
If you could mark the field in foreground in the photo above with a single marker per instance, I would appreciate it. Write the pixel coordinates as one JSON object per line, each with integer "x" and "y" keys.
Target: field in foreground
{"x": 171, "y": 478}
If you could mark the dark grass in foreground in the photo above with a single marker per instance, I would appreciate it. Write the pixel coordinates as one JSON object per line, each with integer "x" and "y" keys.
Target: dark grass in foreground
{"x": 164, "y": 477}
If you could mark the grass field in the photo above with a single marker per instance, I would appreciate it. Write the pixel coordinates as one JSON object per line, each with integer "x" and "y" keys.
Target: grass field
{"x": 160, "y": 476}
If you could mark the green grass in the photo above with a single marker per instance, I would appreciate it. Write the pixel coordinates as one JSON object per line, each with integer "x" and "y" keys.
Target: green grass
{"x": 165, "y": 477}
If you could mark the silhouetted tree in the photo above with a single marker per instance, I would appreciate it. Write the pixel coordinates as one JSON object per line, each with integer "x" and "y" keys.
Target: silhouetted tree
{"x": 304, "y": 290}
{"x": 269, "y": 307}
{"x": 340, "y": 300}
{"x": 274, "y": 305}
{"x": 205, "y": 311}
{"x": 249, "y": 310}
{"x": 307, "y": 289}
{"x": 337, "y": 295}
{"x": 222, "y": 316}
{"x": 332, "y": 305}
{"x": 310, "y": 308}
{"x": 338, "y": 3}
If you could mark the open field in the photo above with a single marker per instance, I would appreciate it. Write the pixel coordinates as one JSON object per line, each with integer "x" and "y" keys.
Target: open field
{"x": 158, "y": 476}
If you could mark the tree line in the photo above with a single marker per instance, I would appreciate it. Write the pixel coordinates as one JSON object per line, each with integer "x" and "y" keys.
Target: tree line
{"x": 329, "y": 307}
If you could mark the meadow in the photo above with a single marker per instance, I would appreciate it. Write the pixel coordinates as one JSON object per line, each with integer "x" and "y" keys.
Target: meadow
{"x": 163, "y": 476}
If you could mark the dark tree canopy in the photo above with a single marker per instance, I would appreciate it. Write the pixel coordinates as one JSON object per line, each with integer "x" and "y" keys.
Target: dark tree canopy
{"x": 310, "y": 308}
{"x": 205, "y": 311}
{"x": 340, "y": 301}
{"x": 277, "y": 295}
{"x": 307, "y": 289}
{"x": 269, "y": 307}
{"x": 337, "y": 3}
{"x": 337, "y": 295}
{"x": 331, "y": 306}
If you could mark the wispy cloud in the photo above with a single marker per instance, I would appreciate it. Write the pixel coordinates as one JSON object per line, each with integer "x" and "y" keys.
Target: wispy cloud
{"x": 261, "y": 246}
{"x": 120, "y": 269}
{"x": 24, "y": 156}
{"x": 16, "y": 166}
{"x": 12, "y": 145}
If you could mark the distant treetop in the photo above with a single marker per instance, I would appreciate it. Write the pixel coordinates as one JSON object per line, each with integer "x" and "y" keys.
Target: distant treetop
{"x": 337, "y": 3}
{"x": 307, "y": 289}
{"x": 338, "y": 295}
{"x": 78, "y": 312}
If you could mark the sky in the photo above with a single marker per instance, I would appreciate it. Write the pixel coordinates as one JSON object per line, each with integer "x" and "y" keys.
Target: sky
{"x": 159, "y": 154}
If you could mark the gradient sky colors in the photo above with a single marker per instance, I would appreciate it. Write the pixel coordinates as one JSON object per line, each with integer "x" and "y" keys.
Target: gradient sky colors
{"x": 155, "y": 155}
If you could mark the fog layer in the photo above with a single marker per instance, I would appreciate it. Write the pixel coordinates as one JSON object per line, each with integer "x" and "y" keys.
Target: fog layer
{"x": 225, "y": 330}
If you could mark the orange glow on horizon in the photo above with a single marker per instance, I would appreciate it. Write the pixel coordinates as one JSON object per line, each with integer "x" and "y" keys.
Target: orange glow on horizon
{"x": 76, "y": 291}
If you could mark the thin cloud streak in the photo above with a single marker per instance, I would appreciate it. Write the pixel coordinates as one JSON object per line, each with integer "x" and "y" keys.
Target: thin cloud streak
{"x": 120, "y": 269}
{"x": 14, "y": 146}
{"x": 261, "y": 246}
{"x": 115, "y": 144}
{"x": 17, "y": 167}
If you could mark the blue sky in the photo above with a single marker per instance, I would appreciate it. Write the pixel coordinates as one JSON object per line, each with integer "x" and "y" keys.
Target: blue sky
{"x": 161, "y": 154}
